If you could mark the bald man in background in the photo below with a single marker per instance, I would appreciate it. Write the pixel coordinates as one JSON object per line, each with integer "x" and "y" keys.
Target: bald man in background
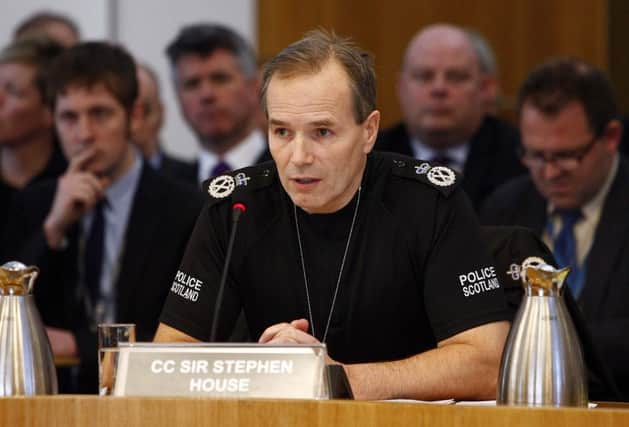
{"x": 147, "y": 127}
{"x": 59, "y": 27}
{"x": 442, "y": 89}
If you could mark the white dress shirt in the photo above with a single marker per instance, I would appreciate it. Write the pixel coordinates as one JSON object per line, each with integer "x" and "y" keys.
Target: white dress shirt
{"x": 242, "y": 155}
{"x": 457, "y": 154}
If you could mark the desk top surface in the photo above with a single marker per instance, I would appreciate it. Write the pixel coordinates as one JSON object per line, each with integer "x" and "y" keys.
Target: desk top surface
{"x": 74, "y": 410}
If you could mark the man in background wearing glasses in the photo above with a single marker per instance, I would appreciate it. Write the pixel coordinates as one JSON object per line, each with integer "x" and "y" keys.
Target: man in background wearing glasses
{"x": 576, "y": 195}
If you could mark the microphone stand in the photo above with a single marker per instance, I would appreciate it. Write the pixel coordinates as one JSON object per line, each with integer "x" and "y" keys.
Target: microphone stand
{"x": 237, "y": 210}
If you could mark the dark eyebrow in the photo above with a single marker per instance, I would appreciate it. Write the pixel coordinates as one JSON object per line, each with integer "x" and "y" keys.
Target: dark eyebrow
{"x": 317, "y": 123}
{"x": 322, "y": 123}
{"x": 65, "y": 112}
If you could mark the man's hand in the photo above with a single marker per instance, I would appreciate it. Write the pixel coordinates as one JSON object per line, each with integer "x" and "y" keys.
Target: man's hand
{"x": 77, "y": 192}
{"x": 294, "y": 332}
{"x": 62, "y": 342}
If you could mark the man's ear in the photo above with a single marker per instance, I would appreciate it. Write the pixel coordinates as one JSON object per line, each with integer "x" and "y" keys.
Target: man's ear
{"x": 370, "y": 129}
{"x": 254, "y": 86}
{"x": 613, "y": 134}
{"x": 136, "y": 115}
{"x": 49, "y": 117}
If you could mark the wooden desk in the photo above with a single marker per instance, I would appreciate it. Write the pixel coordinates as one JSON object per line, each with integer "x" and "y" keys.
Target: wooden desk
{"x": 86, "y": 411}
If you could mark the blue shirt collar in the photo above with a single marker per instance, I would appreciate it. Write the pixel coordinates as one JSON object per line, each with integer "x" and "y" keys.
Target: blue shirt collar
{"x": 120, "y": 193}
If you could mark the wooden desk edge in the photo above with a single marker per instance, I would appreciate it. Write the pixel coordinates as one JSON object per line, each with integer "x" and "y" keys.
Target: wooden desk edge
{"x": 86, "y": 410}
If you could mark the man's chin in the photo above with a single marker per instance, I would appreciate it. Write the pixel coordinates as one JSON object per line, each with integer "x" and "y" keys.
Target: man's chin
{"x": 440, "y": 136}
{"x": 216, "y": 141}
{"x": 100, "y": 171}
{"x": 305, "y": 202}
{"x": 563, "y": 201}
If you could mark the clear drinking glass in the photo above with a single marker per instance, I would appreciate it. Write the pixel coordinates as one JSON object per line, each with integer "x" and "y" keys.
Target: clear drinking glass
{"x": 109, "y": 336}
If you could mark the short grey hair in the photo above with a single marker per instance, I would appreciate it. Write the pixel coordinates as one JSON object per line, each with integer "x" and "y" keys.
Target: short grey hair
{"x": 483, "y": 51}
{"x": 205, "y": 38}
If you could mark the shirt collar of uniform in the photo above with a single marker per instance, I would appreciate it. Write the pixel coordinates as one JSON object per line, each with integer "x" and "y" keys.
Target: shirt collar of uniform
{"x": 243, "y": 154}
{"x": 457, "y": 153}
{"x": 593, "y": 208}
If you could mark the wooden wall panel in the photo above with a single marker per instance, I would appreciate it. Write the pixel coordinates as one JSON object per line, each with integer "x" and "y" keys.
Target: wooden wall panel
{"x": 619, "y": 50}
{"x": 522, "y": 32}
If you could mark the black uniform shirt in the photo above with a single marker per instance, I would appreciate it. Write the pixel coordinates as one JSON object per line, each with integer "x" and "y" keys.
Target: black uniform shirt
{"x": 416, "y": 271}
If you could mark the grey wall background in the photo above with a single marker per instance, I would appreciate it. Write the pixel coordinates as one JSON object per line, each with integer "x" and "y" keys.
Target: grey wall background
{"x": 144, "y": 27}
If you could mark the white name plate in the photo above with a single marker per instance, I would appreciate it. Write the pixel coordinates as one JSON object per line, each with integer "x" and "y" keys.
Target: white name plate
{"x": 221, "y": 370}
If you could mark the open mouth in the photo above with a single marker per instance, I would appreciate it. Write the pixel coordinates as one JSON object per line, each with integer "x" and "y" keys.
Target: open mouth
{"x": 306, "y": 180}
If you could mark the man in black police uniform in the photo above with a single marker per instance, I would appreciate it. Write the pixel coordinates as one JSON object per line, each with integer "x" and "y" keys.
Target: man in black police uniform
{"x": 377, "y": 255}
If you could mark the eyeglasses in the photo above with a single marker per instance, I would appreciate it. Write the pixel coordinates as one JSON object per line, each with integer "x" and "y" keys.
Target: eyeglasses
{"x": 564, "y": 160}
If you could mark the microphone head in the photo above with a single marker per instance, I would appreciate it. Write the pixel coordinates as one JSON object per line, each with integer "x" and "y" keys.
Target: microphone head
{"x": 239, "y": 206}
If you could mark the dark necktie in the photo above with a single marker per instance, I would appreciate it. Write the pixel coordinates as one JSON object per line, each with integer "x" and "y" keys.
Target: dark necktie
{"x": 565, "y": 249}
{"x": 94, "y": 249}
{"x": 220, "y": 168}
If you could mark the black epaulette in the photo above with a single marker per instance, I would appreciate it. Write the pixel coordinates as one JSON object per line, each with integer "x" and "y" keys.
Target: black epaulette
{"x": 232, "y": 184}
{"x": 441, "y": 178}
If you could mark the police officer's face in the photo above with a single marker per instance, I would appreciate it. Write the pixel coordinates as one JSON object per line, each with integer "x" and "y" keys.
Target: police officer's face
{"x": 23, "y": 113}
{"x": 217, "y": 99}
{"x": 567, "y": 162}
{"x": 93, "y": 119}
{"x": 319, "y": 149}
{"x": 441, "y": 88}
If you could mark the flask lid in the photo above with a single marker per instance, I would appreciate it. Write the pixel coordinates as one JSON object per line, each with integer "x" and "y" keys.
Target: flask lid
{"x": 16, "y": 278}
{"x": 542, "y": 279}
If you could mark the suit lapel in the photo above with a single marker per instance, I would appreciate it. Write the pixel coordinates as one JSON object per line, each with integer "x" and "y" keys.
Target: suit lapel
{"x": 530, "y": 209}
{"x": 395, "y": 140}
{"x": 402, "y": 142}
{"x": 477, "y": 163}
{"x": 143, "y": 222}
{"x": 609, "y": 239}
{"x": 535, "y": 211}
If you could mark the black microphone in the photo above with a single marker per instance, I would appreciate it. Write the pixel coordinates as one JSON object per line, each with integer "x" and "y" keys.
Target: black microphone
{"x": 237, "y": 210}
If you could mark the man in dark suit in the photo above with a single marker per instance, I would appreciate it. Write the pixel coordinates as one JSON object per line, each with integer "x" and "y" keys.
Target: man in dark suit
{"x": 29, "y": 151}
{"x": 576, "y": 195}
{"x": 148, "y": 124}
{"x": 624, "y": 141}
{"x": 216, "y": 81}
{"x": 443, "y": 89}
{"x": 113, "y": 229}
